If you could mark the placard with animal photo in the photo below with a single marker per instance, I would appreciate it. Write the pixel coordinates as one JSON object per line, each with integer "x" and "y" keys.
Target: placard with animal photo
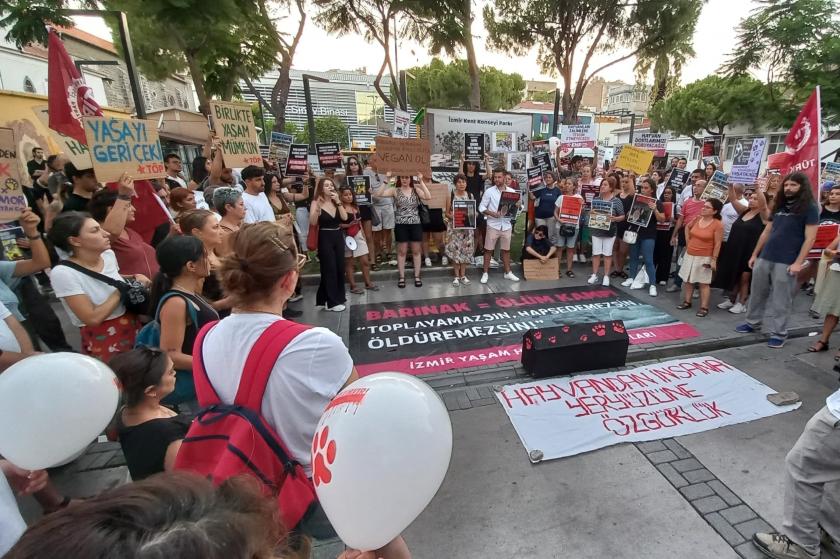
{"x": 640, "y": 211}
{"x": 463, "y": 214}
{"x": 509, "y": 204}
{"x": 503, "y": 141}
{"x": 717, "y": 187}
{"x": 518, "y": 161}
{"x": 361, "y": 189}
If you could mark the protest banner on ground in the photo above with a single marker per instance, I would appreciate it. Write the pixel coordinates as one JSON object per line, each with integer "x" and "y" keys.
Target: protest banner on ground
{"x": 826, "y": 233}
{"x": 12, "y": 199}
{"x": 802, "y": 144}
{"x": 640, "y": 211}
{"x": 403, "y": 156}
{"x": 678, "y": 179}
{"x": 329, "y": 155}
{"x": 361, "y": 189}
{"x": 571, "y": 415}
{"x": 536, "y": 270}
{"x": 423, "y": 336}
{"x": 634, "y": 159}
{"x": 717, "y": 187}
{"x": 746, "y": 160}
{"x": 75, "y": 151}
{"x": 578, "y": 136}
{"x": 652, "y": 141}
{"x": 600, "y": 215}
{"x": 473, "y": 146}
{"x": 120, "y": 146}
{"x": 234, "y": 125}
{"x": 831, "y": 172}
{"x": 278, "y": 149}
{"x": 541, "y": 160}
{"x": 297, "y": 160}
{"x": 463, "y": 214}
{"x": 402, "y": 122}
{"x": 570, "y": 210}
{"x": 535, "y": 179}
{"x": 509, "y": 204}
{"x": 668, "y": 210}
{"x": 440, "y": 195}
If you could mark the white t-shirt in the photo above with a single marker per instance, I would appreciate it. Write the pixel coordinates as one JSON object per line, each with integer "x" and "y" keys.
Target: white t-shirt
{"x": 178, "y": 179}
{"x": 257, "y": 208}
{"x": 307, "y": 375}
{"x": 67, "y": 282}
{"x": 833, "y": 404}
{"x": 729, "y": 215}
{"x": 12, "y": 525}
{"x": 8, "y": 341}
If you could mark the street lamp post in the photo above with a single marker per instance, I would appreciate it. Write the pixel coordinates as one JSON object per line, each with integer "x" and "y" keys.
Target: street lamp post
{"x": 310, "y": 117}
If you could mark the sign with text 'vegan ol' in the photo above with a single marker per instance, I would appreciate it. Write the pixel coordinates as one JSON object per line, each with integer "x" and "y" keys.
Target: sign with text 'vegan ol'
{"x": 120, "y": 146}
{"x": 403, "y": 156}
{"x": 234, "y": 125}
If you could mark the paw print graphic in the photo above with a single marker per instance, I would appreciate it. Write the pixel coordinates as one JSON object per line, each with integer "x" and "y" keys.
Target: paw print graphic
{"x": 599, "y": 330}
{"x": 538, "y": 335}
{"x": 584, "y": 338}
{"x": 323, "y": 455}
{"x": 618, "y": 327}
{"x": 528, "y": 344}
{"x": 553, "y": 339}
{"x": 565, "y": 329}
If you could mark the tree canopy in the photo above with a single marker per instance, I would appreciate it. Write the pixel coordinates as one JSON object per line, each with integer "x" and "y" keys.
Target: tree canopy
{"x": 568, "y": 33}
{"x": 448, "y": 86}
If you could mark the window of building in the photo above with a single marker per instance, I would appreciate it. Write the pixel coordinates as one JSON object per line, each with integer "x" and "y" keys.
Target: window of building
{"x": 544, "y": 126}
{"x": 28, "y": 86}
{"x": 171, "y": 100}
{"x": 776, "y": 144}
{"x": 695, "y": 153}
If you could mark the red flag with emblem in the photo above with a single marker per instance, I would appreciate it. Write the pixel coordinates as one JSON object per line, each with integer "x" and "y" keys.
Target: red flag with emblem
{"x": 69, "y": 98}
{"x": 802, "y": 144}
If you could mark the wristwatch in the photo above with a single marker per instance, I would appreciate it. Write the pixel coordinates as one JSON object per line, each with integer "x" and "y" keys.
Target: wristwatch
{"x": 34, "y": 237}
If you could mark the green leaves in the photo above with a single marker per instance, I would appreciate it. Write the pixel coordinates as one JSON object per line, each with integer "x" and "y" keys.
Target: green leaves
{"x": 448, "y": 86}
{"x": 27, "y": 20}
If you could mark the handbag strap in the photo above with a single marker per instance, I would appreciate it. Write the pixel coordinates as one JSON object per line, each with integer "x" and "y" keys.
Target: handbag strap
{"x": 117, "y": 284}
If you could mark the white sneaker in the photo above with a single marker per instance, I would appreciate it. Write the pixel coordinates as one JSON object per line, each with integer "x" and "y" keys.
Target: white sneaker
{"x": 465, "y": 280}
{"x": 738, "y": 308}
{"x": 444, "y": 261}
{"x": 593, "y": 279}
{"x": 663, "y": 283}
{"x": 627, "y": 283}
{"x": 337, "y": 308}
{"x": 511, "y": 276}
{"x": 574, "y": 258}
{"x": 428, "y": 262}
{"x": 606, "y": 281}
{"x": 295, "y": 298}
{"x": 582, "y": 259}
{"x": 652, "y": 291}
{"x": 727, "y": 304}
{"x": 484, "y": 277}
{"x": 456, "y": 282}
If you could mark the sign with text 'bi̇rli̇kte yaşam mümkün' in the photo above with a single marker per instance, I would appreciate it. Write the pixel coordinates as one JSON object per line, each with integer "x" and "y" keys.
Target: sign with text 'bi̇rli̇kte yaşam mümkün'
{"x": 422, "y": 336}
{"x": 119, "y": 145}
{"x": 234, "y": 125}
{"x": 566, "y": 416}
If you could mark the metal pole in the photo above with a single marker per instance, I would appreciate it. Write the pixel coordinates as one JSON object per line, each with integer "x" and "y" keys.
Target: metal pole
{"x": 632, "y": 126}
{"x": 310, "y": 118}
{"x": 403, "y": 91}
{"x": 131, "y": 66}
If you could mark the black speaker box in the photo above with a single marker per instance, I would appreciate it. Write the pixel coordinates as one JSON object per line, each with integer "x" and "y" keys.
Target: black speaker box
{"x": 563, "y": 350}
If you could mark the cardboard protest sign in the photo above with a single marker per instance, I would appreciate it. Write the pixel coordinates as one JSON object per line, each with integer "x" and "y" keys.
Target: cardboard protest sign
{"x": 329, "y": 155}
{"x": 234, "y": 125}
{"x": 634, "y": 159}
{"x": 12, "y": 199}
{"x": 717, "y": 187}
{"x": 640, "y": 211}
{"x": 120, "y": 146}
{"x": 577, "y": 136}
{"x": 508, "y": 204}
{"x": 652, "y": 141}
{"x": 570, "y": 210}
{"x": 746, "y": 160}
{"x": 361, "y": 189}
{"x": 440, "y": 195}
{"x": 473, "y": 146}
{"x": 75, "y": 151}
{"x": 542, "y": 160}
{"x": 278, "y": 149}
{"x": 503, "y": 141}
{"x": 678, "y": 179}
{"x": 668, "y": 210}
{"x": 403, "y": 156}
{"x": 826, "y": 233}
{"x": 297, "y": 160}
{"x": 463, "y": 214}
{"x": 535, "y": 270}
{"x": 831, "y": 172}
{"x": 535, "y": 180}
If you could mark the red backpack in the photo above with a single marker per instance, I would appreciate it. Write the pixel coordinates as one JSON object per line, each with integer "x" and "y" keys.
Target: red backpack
{"x": 230, "y": 440}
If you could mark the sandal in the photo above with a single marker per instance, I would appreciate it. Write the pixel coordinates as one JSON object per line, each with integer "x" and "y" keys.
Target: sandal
{"x": 684, "y": 305}
{"x": 570, "y": 273}
{"x": 418, "y": 282}
{"x": 702, "y": 312}
{"x": 819, "y": 346}
{"x": 357, "y": 291}
{"x": 401, "y": 283}
{"x": 372, "y": 287}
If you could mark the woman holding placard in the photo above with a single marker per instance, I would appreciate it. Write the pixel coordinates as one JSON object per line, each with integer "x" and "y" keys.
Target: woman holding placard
{"x": 628, "y": 191}
{"x": 352, "y": 168}
{"x": 460, "y": 245}
{"x": 603, "y": 240}
{"x": 356, "y": 244}
{"x": 645, "y": 230}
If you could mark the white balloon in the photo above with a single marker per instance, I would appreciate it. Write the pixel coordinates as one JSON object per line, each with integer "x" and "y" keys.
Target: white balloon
{"x": 52, "y": 406}
{"x": 379, "y": 455}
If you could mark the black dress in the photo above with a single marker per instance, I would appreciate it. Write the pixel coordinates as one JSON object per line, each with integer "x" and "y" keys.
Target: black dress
{"x": 735, "y": 256}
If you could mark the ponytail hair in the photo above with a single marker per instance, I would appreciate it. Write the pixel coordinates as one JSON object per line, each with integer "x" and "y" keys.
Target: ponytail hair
{"x": 173, "y": 253}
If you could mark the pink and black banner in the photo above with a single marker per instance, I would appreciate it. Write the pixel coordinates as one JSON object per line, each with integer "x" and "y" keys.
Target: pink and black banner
{"x": 431, "y": 336}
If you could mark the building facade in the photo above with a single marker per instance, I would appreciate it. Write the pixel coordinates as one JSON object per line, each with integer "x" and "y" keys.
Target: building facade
{"x": 628, "y": 97}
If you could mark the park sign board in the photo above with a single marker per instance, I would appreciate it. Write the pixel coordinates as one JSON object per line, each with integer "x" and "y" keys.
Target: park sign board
{"x": 634, "y": 159}
{"x": 12, "y": 199}
{"x": 234, "y": 125}
{"x": 403, "y": 156}
{"x": 75, "y": 151}
{"x": 119, "y": 146}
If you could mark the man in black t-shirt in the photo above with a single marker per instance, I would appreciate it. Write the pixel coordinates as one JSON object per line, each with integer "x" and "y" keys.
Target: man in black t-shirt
{"x": 84, "y": 185}
{"x": 36, "y": 166}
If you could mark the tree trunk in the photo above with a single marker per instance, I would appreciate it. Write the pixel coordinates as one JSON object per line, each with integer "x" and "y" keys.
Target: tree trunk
{"x": 472, "y": 63}
{"x": 280, "y": 95}
{"x": 198, "y": 82}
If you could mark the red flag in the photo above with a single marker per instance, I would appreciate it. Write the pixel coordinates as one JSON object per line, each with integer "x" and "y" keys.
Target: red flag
{"x": 802, "y": 144}
{"x": 149, "y": 209}
{"x": 69, "y": 98}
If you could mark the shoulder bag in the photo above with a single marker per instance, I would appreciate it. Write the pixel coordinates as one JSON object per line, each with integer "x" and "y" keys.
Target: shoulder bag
{"x": 135, "y": 297}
